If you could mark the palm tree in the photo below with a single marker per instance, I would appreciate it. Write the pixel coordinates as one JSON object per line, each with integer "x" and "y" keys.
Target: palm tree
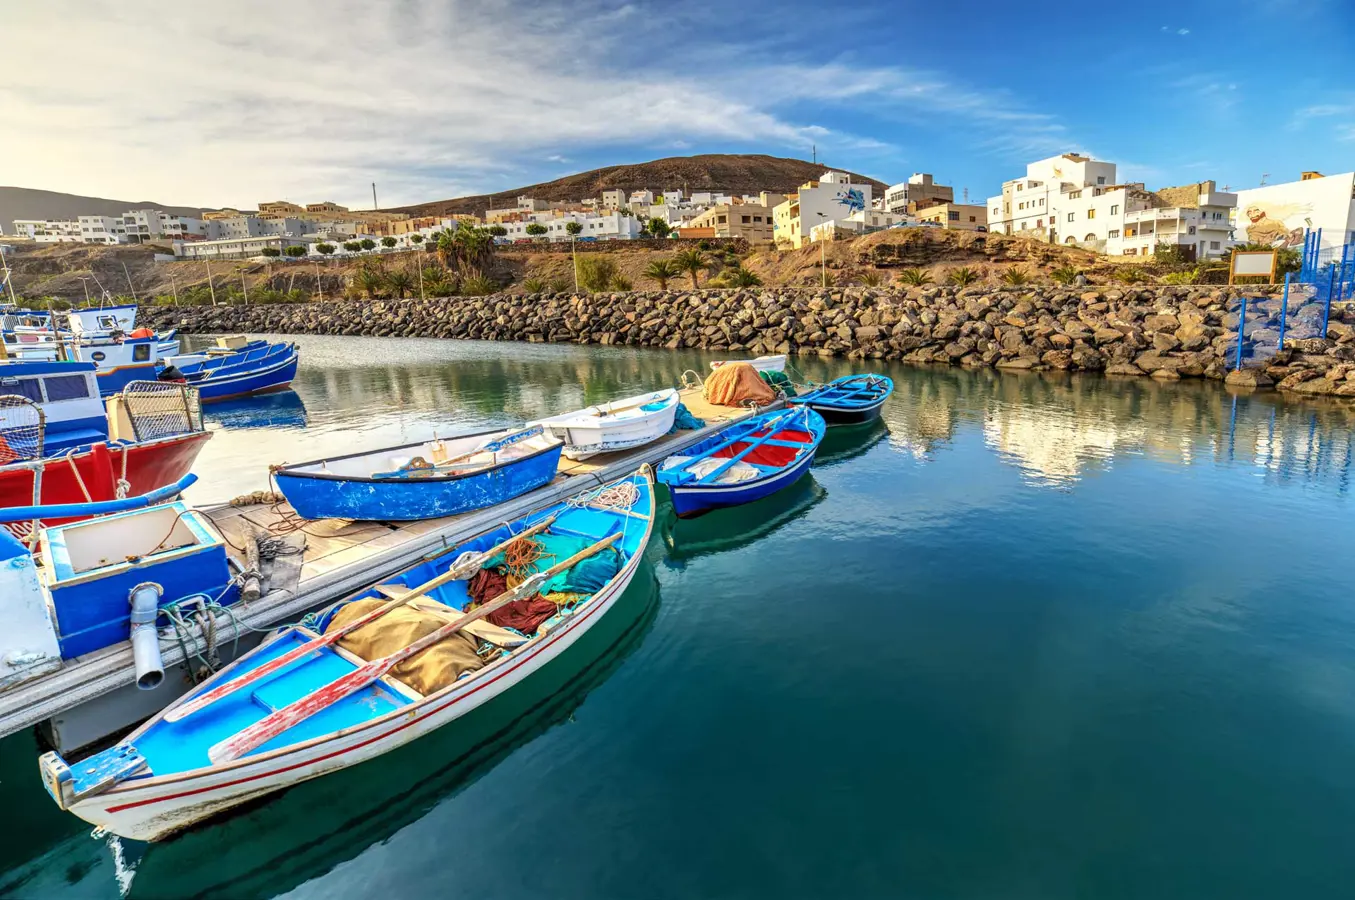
{"x": 660, "y": 270}
{"x": 1016, "y": 277}
{"x": 693, "y": 262}
{"x": 914, "y": 277}
{"x": 740, "y": 277}
{"x": 371, "y": 280}
{"x": 963, "y": 276}
{"x": 446, "y": 249}
{"x": 399, "y": 283}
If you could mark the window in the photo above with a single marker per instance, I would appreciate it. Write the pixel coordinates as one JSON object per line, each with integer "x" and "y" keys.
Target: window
{"x": 1020, "y": 187}
{"x": 1100, "y": 179}
{"x": 1190, "y": 229}
{"x": 1075, "y": 195}
{"x": 108, "y": 323}
{"x": 1113, "y": 233}
{"x": 1091, "y": 213}
{"x": 757, "y": 219}
{"x": 1071, "y": 216}
{"x": 1042, "y": 201}
{"x": 66, "y": 387}
{"x": 1213, "y": 245}
{"x": 24, "y": 387}
{"x": 972, "y": 219}
{"x": 1039, "y": 223}
{"x": 996, "y": 212}
{"x": 1130, "y": 251}
{"x": 747, "y": 219}
{"x": 1115, "y": 210}
{"x": 953, "y": 216}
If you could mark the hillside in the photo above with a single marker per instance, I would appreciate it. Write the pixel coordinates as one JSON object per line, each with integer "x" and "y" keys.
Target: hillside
{"x": 30, "y": 203}
{"x": 728, "y": 172}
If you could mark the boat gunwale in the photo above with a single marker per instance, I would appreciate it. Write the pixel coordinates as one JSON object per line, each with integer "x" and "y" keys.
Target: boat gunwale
{"x": 809, "y": 448}
{"x": 414, "y": 711}
{"x": 453, "y": 476}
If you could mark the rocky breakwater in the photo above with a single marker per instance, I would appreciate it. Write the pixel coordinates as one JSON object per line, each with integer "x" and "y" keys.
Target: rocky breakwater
{"x": 1163, "y": 332}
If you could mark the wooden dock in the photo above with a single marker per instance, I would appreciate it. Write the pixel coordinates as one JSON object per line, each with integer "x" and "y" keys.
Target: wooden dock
{"x": 94, "y": 696}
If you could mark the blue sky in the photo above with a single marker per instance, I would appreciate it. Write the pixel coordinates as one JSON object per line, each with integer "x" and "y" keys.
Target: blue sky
{"x": 230, "y": 104}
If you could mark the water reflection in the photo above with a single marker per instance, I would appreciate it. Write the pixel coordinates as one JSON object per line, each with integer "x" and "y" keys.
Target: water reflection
{"x": 724, "y": 530}
{"x": 1056, "y": 429}
{"x": 845, "y": 442}
{"x": 281, "y": 409}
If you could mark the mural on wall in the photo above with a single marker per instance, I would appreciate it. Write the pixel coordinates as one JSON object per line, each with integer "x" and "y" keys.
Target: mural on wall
{"x": 1276, "y": 224}
{"x": 853, "y": 199}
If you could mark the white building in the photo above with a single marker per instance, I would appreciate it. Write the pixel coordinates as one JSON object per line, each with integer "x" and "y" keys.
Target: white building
{"x": 607, "y": 227}
{"x": 48, "y": 231}
{"x": 1073, "y": 199}
{"x": 861, "y": 222}
{"x": 920, "y": 189}
{"x": 1278, "y": 214}
{"x": 233, "y": 248}
{"x": 832, "y": 198}
{"x": 641, "y": 199}
{"x": 102, "y": 230}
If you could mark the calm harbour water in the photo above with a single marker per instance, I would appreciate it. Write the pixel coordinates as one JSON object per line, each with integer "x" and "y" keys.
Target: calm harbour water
{"x": 1031, "y": 637}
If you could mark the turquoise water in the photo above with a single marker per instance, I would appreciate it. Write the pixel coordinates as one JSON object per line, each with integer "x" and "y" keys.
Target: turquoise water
{"x": 1032, "y": 636}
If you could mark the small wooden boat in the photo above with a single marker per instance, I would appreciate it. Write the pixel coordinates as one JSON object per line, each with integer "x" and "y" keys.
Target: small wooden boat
{"x": 619, "y": 425}
{"x": 848, "y": 400}
{"x": 423, "y": 481}
{"x": 761, "y": 363}
{"x": 256, "y": 369}
{"x": 745, "y": 462}
{"x": 303, "y": 704}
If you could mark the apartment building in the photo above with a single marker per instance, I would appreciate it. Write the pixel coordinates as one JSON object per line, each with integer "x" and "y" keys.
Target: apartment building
{"x": 243, "y": 227}
{"x": 233, "y": 248}
{"x": 613, "y": 199}
{"x": 48, "y": 231}
{"x": 1073, "y": 199}
{"x": 325, "y": 208}
{"x": 142, "y": 225}
{"x": 606, "y": 227}
{"x": 831, "y": 198}
{"x": 956, "y": 216}
{"x": 918, "y": 192}
{"x": 525, "y": 211}
{"x": 750, "y": 221}
{"x": 281, "y": 208}
{"x": 103, "y": 230}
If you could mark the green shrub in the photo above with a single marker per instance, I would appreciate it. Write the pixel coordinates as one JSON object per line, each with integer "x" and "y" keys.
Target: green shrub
{"x": 270, "y": 252}
{"x": 914, "y": 277}
{"x": 536, "y": 229}
{"x": 1016, "y": 277}
{"x": 621, "y": 283}
{"x": 325, "y": 249}
{"x": 416, "y": 238}
{"x": 295, "y": 252}
{"x": 352, "y": 246}
{"x": 1130, "y": 275}
{"x": 1065, "y": 274}
{"x": 388, "y": 242}
{"x": 962, "y": 276}
{"x": 533, "y": 285}
{"x": 871, "y": 279}
{"x": 367, "y": 244}
{"x": 478, "y": 286}
{"x": 596, "y": 273}
{"x": 497, "y": 231}
{"x": 560, "y": 285}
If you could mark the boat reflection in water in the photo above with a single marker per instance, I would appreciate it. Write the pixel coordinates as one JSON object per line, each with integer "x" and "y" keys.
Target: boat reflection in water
{"x": 846, "y": 442}
{"x": 281, "y": 409}
{"x": 738, "y": 526}
{"x": 271, "y": 847}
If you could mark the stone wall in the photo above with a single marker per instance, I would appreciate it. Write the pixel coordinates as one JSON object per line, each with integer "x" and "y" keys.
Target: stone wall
{"x": 1164, "y": 332}
{"x": 738, "y": 245}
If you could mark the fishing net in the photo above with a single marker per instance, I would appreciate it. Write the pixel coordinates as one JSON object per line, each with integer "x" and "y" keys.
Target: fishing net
{"x": 21, "y": 429}
{"x": 736, "y": 383}
{"x": 160, "y": 409}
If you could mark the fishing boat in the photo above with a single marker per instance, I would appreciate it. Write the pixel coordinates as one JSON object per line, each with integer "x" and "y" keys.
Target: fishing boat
{"x": 441, "y": 477}
{"x": 256, "y": 368}
{"x": 314, "y": 700}
{"x": 747, "y": 461}
{"x": 619, "y": 425}
{"x": 761, "y": 363}
{"x": 848, "y": 400}
{"x": 60, "y": 443}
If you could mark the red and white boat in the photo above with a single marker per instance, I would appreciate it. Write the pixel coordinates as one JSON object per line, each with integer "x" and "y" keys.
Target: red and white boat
{"x": 59, "y": 444}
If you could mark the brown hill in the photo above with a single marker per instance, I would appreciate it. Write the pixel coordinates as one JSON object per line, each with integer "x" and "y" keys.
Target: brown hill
{"x": 728, "y": 172}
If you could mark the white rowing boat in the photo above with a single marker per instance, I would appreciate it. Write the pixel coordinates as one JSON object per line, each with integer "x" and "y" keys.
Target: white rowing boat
{"x": 761, "y": 363}
{"x": 619, "y": 425}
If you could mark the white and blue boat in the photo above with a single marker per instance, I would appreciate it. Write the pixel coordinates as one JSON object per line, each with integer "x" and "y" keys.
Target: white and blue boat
{"x": 376, "y": 671}
{"x": 619, "y": 425}
{"x": 441, "y": 477}
{"x": 745, "y": 462}
{"x": 256, "y": 368}
{"x": 848, "y": 400}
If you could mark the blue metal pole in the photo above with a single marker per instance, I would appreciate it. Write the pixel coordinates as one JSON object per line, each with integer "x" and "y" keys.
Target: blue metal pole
{"x": 1241, "y": 330}
{"x": 98, "y": 507}
{"x": 1326, "y": 310}
{"x": 1284, "y": 308}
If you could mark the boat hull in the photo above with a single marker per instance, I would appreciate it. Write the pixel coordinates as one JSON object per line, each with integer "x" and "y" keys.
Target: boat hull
{"x": 585, "y": 437}
{"x": 155, "y": 808}
{"x": 694, "y": 500}
{"x": 275, "y": 376}
{"x": 147, "y": 466}
{"x": 333, "y": 497}
{"x": 835, "y": 415}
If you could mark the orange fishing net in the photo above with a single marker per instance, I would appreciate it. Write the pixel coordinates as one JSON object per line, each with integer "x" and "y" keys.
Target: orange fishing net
{"x": 734, "y": 383}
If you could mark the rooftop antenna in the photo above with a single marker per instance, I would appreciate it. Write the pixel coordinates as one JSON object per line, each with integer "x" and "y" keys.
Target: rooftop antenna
{"x": 814, "y": 149}
{"x": 1264, "y": 176}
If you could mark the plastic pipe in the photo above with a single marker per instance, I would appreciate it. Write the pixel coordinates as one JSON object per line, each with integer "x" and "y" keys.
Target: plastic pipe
{"x": 99, "y": 508}
{"x": 145, "y": 600}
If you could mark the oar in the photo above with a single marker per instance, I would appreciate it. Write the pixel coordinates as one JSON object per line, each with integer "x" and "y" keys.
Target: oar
{"x": 773, "y": 427}
{"x": 274, "y": 724}
{"x": 494, "y": 446}
{"x": 460, "y": 569}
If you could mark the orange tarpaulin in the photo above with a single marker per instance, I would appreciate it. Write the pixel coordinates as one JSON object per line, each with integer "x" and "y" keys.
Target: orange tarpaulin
{"x": 736, "y": 382}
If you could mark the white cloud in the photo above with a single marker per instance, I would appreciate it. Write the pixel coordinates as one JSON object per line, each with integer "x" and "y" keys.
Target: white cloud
{"x": 230, "y": 104}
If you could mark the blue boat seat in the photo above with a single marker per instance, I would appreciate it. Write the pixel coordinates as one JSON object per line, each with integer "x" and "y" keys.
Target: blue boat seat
{"x": 586, "y": 523}
{"x": 76, "y": 436}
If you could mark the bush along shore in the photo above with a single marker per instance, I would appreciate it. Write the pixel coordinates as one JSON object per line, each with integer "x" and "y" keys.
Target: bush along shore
{"x": 1163, "y": 332}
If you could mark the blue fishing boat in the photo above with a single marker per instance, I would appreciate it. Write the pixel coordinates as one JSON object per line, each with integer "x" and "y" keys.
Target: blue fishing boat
{"x": 745, "y": 462}
{"x": 253, "y": 369}
{"x": 848, "y": 400}
{"x": 441, "y": 477}
{"x": 374, "y": 672}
